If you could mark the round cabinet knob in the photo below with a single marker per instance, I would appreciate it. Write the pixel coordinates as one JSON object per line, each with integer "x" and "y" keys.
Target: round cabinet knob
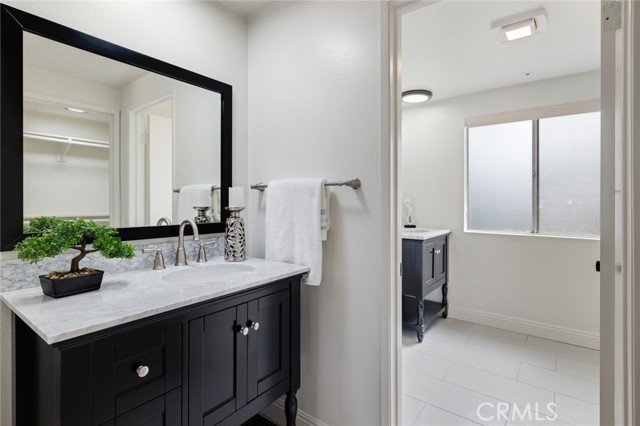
{"x": 255, "y": 325}
{"x": 142, "y": 371}
{"x": 244, "y": 331}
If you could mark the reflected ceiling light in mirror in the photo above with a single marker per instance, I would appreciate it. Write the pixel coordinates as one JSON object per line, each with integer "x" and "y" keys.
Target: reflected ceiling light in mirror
{"x": 521, "y": 25}
{"x": 416, "y": 96}
{"x": 78, "y": 110}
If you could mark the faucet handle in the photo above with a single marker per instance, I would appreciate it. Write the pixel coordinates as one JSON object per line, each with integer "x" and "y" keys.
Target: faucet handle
{"x": 202, "y": 254}
{"x": 158, "y": 262}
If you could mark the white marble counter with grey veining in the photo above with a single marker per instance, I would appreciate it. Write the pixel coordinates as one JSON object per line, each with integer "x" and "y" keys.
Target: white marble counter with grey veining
{"x": 130, "y": 296}
{"x": 423, "y": 233}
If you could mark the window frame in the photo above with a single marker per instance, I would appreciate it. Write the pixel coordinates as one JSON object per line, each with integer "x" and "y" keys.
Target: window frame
{"x": 534, "y": 115}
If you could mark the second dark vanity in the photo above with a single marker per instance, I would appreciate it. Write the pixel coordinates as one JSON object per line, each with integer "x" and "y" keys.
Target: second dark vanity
{"x": 424, "y": 270}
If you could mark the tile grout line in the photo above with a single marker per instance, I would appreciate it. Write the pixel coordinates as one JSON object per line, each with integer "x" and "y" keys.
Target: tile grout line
{"x": 506, "y": 357}
{"x": 578, "y": 399}
{"x": 578, "y": 377}
{"x": 554, "y": 392}
{"x": 450, "y": 412}
{"x": 549, "y": 390}
{"x": 463, "y": 388}
{"x": 493, "y": 396}
{"x": 562, "y": 373}
{"x": 565, "y": 355}
{"x": 500, "y": 355}
{"x": 468, "y": 365}
{"x": 430, "y": 375}
{"x": 419, "y": 412}
{"x": 449, "y": 369}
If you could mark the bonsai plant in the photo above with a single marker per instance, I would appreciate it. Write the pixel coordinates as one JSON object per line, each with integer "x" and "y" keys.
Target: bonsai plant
{"x": 53, "y": 236}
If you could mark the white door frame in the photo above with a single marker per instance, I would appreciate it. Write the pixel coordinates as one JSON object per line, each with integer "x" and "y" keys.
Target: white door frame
{"x": 620, "y": 240}
{"x": 391, "y": 327}
{"x": 391, "y": 332}
{"x": 620, "y": 291}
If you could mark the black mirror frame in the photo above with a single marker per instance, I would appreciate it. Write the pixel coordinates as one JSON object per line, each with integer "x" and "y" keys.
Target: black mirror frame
{"x": 13, "y": 23}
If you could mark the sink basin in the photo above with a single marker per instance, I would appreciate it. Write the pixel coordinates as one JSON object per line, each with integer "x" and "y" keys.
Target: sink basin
{"x": 209, "y": 273}
{"x": 411, "y": 230}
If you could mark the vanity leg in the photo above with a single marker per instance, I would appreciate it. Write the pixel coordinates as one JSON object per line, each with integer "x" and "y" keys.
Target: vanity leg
{"x": 291, "y": 408}
{"x": 420, "y": 324}
{"x": 445, "y": 301}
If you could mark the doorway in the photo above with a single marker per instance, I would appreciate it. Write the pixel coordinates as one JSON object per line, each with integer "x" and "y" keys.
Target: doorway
{"x": 153, "y": 171}
{"x": 522, "y": 306}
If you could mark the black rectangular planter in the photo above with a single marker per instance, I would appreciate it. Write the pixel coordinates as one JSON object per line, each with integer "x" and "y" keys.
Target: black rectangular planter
{"x": 69, "y": 286}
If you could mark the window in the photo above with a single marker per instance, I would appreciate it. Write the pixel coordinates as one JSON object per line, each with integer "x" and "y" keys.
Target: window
{"x": 535, "y": 176}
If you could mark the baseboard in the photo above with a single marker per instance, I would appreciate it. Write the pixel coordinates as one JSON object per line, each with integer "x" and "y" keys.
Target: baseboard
{"x": 275, "y": 413}
{"x": 520, "y": 325}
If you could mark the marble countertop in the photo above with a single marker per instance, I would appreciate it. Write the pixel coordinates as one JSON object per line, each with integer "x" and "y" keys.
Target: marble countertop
{"x": 130, "y": 296}
{"x": 423, "y": 233}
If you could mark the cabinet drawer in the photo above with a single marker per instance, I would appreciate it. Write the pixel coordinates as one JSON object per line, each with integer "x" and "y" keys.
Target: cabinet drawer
{"x": 145, "y": 352}
{"x": 162, "y": 411}
{"x": 431, "y": 287}
{"x": 119, "y": 380}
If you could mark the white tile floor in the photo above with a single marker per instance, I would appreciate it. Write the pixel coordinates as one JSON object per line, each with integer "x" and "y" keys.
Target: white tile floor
{"x": 460, "y": 366}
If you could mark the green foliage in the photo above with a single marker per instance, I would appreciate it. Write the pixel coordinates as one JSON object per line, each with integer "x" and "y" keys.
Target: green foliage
{"x": 52, "y": 236}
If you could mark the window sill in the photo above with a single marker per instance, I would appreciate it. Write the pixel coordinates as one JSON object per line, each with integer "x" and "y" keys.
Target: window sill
{"x": 529, "y": 235}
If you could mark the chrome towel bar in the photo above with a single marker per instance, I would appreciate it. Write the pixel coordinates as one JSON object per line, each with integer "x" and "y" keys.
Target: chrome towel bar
{"x": 353, "y": 183}
{"x": 213, "y": 188}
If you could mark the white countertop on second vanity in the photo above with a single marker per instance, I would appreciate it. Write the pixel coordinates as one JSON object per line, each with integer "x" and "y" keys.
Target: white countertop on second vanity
{"x": 130, "y": 296}
{"x": 423, "y": 233}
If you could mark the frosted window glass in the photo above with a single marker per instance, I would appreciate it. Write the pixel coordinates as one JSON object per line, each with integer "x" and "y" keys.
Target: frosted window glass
{"x": 500, "y": 177}
{"x": 569, "y": 181}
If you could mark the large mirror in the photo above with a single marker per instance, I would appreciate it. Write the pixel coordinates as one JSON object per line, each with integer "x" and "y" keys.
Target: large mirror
{"x": 103, "y": 133}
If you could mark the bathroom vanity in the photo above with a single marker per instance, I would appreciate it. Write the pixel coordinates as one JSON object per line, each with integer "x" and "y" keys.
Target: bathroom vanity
{"x": 204, "y": 344}
{"x": 424, "y": 270}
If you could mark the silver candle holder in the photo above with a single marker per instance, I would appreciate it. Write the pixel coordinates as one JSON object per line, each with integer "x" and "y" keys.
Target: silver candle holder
{"x": 234, "y": 240}
{"x": 202, "y": 216}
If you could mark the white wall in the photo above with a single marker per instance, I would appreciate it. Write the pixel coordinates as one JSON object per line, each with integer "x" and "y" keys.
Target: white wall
{"x": 51, "y": 187}
{"x": 316, "y": 73}
{"x": 536, "y": 284}
{"x": 205, "y": 37}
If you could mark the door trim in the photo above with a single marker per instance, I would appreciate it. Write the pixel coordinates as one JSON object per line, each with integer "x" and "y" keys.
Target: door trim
{"x": 620, "y": 242}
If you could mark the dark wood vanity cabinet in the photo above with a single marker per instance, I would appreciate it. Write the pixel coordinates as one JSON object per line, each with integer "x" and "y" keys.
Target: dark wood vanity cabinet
{"x": 236, "y": 355}
{"x": 219, "y": 362}
{"x": 424, "y": 270}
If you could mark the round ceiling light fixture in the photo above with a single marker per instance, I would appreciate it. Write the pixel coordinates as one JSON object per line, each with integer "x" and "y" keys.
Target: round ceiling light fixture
{"x": 78, "y": 110}
{"x": 416, "y": 96}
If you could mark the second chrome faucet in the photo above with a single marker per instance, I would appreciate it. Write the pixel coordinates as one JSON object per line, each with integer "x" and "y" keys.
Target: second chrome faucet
{"x": 181, "y": 257}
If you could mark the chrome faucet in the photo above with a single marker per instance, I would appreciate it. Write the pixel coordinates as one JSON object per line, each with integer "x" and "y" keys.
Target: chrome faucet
{"x": 163, "y": 220}
{"x": 181, "y": 257}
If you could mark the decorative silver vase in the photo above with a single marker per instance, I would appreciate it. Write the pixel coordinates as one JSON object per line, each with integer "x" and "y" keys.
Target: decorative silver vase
{"x": 234, "y": 240}
{"x": 202, "y": 216}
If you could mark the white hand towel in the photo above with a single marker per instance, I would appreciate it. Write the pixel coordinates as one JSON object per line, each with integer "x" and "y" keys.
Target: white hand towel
{"x": 215, "y": 205}
{"x": 325, "y": 208}
{"x": 293, "y": 224}
{"x": 193, "y": 196}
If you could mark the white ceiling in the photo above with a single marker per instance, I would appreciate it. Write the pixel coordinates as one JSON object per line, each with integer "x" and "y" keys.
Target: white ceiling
{"x": 448, "y": 47}
{"x": 59, "y": 110}
{"x": 246, "y": 7}
{"x": 47, "y": 54}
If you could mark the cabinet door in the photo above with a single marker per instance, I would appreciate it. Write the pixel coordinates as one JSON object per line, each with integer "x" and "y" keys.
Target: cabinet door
{"x": 217, "y": 371}
{"x": 268, "y": 354}
{"x": 428, "y": 264}
{"x": 440, "y": 259}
